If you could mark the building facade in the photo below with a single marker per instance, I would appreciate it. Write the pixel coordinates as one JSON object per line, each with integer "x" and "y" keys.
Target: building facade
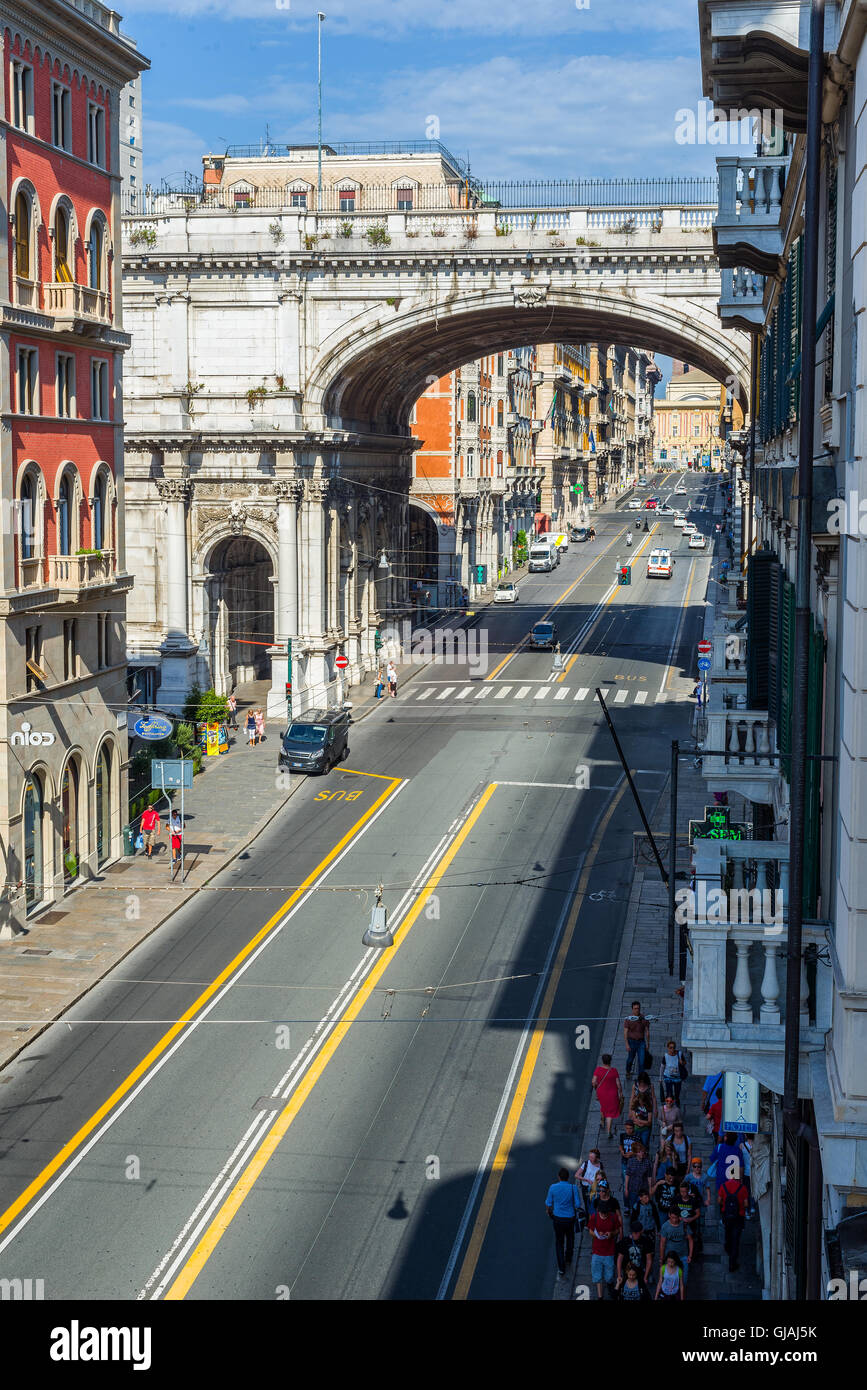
{"x": 810, "y": 1176}
{"x": 62, "y": 675}
{"x": 693, "y": 420}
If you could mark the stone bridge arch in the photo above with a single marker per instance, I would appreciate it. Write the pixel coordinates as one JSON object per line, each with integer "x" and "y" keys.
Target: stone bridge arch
{"x": 368, "y": 373}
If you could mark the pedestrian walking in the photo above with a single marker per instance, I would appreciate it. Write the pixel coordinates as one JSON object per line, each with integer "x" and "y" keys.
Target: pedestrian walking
{"x": 682, "y": 1144}
{"x": 733, "y": 1198}
{"x": 379, "y": 689}
{"x": 636, "y": 1249}
{"x": 673, "y": 1071}
{"x": 391, "y": 674}
{"x": 605, "y": 1227}
{"x": 675, "y": 1239}
{"x": 642, "y": 1108}
{"x": 601, "y": 1192}
{"x": 561, "y": 1204}
{"x": 627, "y": 1140}
{"x": 698, "y": 693}
{"x": 671, "y": 1286}
{"x": 586, "y": 1174}
{"x": 726, "y": 1159}
{"x": 259, "y": 718}
{"x": 665, "y": 1189}
{"x": 638, "y": 1175}
{"x": 150, "y": 829}
{"x": 233, "y": 712}
{"x": 176, "y": 828}
{"x": 699, "y": 1181}
{"x": 632, "y": 1289}
{"x": 647, "y": 1215}
{"x": 669, "y": 1113}
{"x": 636, "y": 1035}
{"x": 250, "y": 726}
{"x": 689, "y": 1206}
{"x": 609, "y": 1091}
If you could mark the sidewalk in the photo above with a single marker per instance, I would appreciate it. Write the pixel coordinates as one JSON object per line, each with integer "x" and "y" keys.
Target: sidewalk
{"x": 642, "y": 973}
{"x": 81, "y": 937}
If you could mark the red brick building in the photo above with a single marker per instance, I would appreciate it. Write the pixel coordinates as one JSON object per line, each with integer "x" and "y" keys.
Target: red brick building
{"x": 62, "y": 672}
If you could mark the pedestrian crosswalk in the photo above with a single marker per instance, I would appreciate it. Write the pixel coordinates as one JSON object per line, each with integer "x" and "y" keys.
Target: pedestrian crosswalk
{"x": 539, "y": 693}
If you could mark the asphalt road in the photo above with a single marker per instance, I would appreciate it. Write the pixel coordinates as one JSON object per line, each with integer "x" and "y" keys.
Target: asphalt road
{"x": 256, "y": 1106}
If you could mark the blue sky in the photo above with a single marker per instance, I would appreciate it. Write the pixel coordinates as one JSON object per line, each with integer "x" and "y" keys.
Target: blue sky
{"x": 527, "y": 88}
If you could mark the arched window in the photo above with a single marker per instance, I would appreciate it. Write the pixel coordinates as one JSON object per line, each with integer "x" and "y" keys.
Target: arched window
{"x": 64, "y": 516}
{"x": 499, "y": 414}
{"x": 98, "y": 516}
{"x": 103, "y": 804}
{"x": 471, "y": 465}
{"x": 94, "y": 255}
{"x": 471, "y": 407}
{"x": 33, "y": 842}
{"x": 62, "y": 271}
{"x": 28, "y": 516}
{"x": 22, "y": 235}
{"x": 499, "y": 463}
{"x": 69, "y": 817}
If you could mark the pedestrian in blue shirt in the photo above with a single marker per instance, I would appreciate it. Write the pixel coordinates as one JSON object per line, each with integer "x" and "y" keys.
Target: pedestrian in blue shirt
{"x": 562, "y": 1207}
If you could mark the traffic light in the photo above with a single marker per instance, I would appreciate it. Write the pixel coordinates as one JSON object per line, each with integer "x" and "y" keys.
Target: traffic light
{"x": 625, "y": 575}
{"x": 377, "y": 640}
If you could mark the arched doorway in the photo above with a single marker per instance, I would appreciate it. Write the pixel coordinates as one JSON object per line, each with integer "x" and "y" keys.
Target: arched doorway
{"x": 241, "y": 612}
{"x": 423, "y": 558}
{"x": 103, "y": 805}
{"x": 34, "y": 842}
{"x": 70, "y": 817}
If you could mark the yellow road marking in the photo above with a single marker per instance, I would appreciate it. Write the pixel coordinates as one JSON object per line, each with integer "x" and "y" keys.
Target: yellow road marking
{"x": 156, "y": 1051}
{"x": 383, "y": 776}
{"x": 683, "y": 612}
{"x": 217, "y": 1228}
{"x": 498, "y": 1167}
{"x": 609, "y": 599}
{"x": 556, "y": 604}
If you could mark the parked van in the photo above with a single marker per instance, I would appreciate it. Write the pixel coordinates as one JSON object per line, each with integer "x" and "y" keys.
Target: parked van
{"x": 543, "y": 557}
{"x": 315, "y": 741}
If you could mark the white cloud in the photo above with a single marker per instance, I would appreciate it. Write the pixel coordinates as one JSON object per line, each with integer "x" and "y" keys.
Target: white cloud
{"x": 230, "y": 104}
{"x": 170, "y": 151}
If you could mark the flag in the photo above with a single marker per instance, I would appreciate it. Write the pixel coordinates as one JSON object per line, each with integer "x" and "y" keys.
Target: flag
{"x": 553, "y": 407}
{"x": 592, "y": 443}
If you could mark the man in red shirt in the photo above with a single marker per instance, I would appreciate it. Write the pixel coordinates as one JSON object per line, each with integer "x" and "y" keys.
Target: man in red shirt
{"x": 150, "y": 829}
{"x": 733, "y": 1197}
{"x": 607, "y": 1228}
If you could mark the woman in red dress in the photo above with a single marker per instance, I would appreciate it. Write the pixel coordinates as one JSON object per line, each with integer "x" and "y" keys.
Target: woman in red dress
{"x": 609, "y": 1092}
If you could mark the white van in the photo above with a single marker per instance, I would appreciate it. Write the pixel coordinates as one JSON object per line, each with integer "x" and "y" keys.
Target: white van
{"x": 543, "y": 557}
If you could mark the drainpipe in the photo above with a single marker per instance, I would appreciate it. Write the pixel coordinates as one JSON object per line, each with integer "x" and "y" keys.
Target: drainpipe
{"x": 754, "y": 399}
{"x": 802, "y": 582}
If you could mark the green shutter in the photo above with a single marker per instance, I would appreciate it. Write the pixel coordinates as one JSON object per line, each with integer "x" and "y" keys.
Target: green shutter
{"x": 763, "y": 572}
{"x": 796, "y": 275}
{"x": 812, "y": 808}
{"x": 785, "y": 684}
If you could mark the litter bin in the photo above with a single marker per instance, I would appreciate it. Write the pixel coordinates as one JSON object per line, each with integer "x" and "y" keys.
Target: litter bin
{"x": 128, "y": 841}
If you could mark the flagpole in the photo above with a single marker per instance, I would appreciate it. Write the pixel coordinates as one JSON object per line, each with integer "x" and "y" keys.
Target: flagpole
{"x": 320, "y": 18}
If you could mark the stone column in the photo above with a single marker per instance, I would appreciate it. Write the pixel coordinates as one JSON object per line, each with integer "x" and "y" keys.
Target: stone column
{"x": 286, "y": 625}
{"x": 314, "y": 569}
{"x": 178, "y": 652}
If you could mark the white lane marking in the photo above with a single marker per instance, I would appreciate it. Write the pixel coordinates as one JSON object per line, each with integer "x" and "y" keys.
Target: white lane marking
{"x": 485, "y": 690}
{"x": 189, "y": 1235}
{"x": 640, "y": 697}
{"x": 462, "y": 694}
{"x": 676, "y": 638}
{"x": 449, "y": 690}
{"x": 582, "y": 693}
{"x": 561, "y": 694}
{"x": 604, "y": 694}
{"x": 524, "y": 691}
{"x": 540, "y": 694}
{"x": 560, "y": 786}
{"x": 501, "y": 694}
{"x": 529, "y": 1024}
{"x": 425, "y": 694}
{"x": 189, "y": 1029}
{"x": 621, "y": 697}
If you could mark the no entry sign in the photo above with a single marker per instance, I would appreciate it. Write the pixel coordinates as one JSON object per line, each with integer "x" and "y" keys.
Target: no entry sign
{"x": 341, "y": 662}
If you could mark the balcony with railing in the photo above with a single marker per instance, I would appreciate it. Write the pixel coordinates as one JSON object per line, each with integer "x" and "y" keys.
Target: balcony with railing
{"x": 27, "y": 293}
{"x": 737, "y": 923}
{"x": 749, "y": 230}
{"x": 742, "y": 752}
{"x": 71, "y": 303}
{"x": 73, "y": 573}
{"x": 742, "y": 301}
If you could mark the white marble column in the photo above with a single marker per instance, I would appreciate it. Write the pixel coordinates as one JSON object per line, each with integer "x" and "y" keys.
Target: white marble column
{"x": 177, "y": 651}
{"x": 313, "y": 568}
{"x": 286, "y": 608}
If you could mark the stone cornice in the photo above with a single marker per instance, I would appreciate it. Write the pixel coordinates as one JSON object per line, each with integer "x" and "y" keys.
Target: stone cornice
{"x": 67, "y": 33}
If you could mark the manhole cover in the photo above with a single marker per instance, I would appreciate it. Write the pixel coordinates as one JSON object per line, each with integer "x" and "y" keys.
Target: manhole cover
{"x": 35, "y": 951}
{"x": 116, "y": 869}
{"x": 49, "y": 918}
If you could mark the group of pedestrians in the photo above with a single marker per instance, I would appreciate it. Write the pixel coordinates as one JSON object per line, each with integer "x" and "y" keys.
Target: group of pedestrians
{"x": 254, "y": 725}
{"x": 664, "y": 1187}
{"x": 387, "y": 678}
{"x": 150, "y": 828}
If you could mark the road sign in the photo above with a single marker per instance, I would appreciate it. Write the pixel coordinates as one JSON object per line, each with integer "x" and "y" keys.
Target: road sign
{"x": 705, "y": 648}
{"x": 341, "y": 662}
{"x": 153, "y": 728}
{"x": 704, "y": 663}
{"x": 171, "y": 772}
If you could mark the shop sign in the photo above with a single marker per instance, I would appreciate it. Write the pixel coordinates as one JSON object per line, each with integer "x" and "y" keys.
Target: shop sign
{"x": 26, "y": 738}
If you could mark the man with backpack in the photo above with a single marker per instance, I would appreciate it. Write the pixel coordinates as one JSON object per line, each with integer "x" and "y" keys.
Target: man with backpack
{"x": 733, "y": 1198}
